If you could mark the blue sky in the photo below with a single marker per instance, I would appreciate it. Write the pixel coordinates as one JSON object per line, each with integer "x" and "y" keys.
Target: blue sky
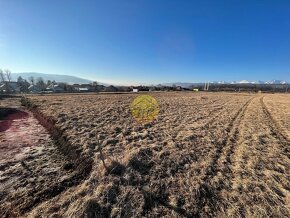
{"x": 147, "y": 41}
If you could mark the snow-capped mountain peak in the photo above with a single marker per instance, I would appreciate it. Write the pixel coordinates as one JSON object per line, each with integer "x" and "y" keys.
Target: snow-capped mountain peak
{"x": 276, "y": 82}
{"x": 260, "y": 82}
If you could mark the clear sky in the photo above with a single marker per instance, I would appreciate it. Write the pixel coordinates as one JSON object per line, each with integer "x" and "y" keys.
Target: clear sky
{"x": 148, "y": 41}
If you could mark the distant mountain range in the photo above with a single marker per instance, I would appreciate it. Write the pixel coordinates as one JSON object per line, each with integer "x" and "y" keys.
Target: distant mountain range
{"x": 58, "y": 78}
{"x": 77, "y": 80}
{"x": 260, "y": 82}
{"x": 186, "y": 85}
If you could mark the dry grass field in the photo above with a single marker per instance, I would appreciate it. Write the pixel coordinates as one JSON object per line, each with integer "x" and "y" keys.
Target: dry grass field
{"x": 206, "y": 155}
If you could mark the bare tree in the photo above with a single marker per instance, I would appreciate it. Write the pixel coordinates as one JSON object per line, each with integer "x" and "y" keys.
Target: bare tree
{"x": 23, "y": 84}
{"x": 8, "y": 75}
{"x": 48, "y": 83}
{"x": 2, "y": 76}
{"x": 31, "y": 80}
{"x": 40, "y": 83}
{"x": 95, "y": 85}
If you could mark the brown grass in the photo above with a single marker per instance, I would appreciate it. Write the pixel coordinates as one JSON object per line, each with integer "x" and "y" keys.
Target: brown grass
{"x": 206, "y": 155}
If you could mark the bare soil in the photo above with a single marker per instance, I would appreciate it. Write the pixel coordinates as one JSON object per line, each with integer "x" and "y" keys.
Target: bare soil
{"x": 206, "y": 155}
{"x": 31, "y": 167}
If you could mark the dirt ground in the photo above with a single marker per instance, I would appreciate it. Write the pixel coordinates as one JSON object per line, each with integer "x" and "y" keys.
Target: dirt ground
{"x": 31, "y": 167}
{"x": 206, "y": 155}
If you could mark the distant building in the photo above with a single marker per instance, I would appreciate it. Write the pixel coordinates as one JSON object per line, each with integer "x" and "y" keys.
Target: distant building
{"x": 9, "y": 87}
{"x": 85, "y": 89}
{"x": 100, "y": 88}
{"x": 140, "y": 88}
{"x": 111, "y": 89}
{"x": 195, "y": 90}
{"x": 50, "y": 88}
{"x": 75, "y": 87}
{"x": 54, "y": 88}
{"x": 57, "y": 88}
{"x": 34, "y": 89}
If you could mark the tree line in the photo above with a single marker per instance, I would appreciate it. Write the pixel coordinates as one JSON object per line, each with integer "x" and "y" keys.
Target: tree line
{"x": 23, "y": 84}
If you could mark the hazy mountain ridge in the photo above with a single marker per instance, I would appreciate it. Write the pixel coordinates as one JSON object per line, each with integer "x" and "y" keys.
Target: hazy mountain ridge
{"x": 58, "y": 78}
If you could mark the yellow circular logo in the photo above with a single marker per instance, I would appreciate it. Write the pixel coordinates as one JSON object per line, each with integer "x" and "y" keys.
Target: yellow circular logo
{"x": 145, "y": 108}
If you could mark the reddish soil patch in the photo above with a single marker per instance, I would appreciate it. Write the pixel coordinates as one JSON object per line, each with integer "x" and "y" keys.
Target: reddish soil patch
{"x": 33, "y": 166}
{"x": 12, "y": 114}
{"x": 19, "y": 131}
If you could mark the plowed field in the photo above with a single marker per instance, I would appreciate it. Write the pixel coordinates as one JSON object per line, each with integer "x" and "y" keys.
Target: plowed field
{"x": 206, "y": 155}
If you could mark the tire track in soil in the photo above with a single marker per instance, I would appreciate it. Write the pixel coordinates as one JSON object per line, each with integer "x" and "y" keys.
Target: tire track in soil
{"x": 153, "y": 199}
{"x": 254, "y": 169}
{"x": 187, "y": 159}
{"x": 276, "y": 130}
{"x": 208, "y": 191}
{"x": 284, "y": 145}
{"x": 210, "y": 120}
{"x": 216, "y": 111}
{"x": 274, "y": 125}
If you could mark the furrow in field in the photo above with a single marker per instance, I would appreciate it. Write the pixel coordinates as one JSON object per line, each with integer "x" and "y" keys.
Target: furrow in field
{"x": 206, "y": 155}
{"x": 214, "y": 181}
{"x": 274, "y": 124}
{"x": 278, "y": 108}
{"x": 259, "y": 169}
{"x": 193, "y": 155}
